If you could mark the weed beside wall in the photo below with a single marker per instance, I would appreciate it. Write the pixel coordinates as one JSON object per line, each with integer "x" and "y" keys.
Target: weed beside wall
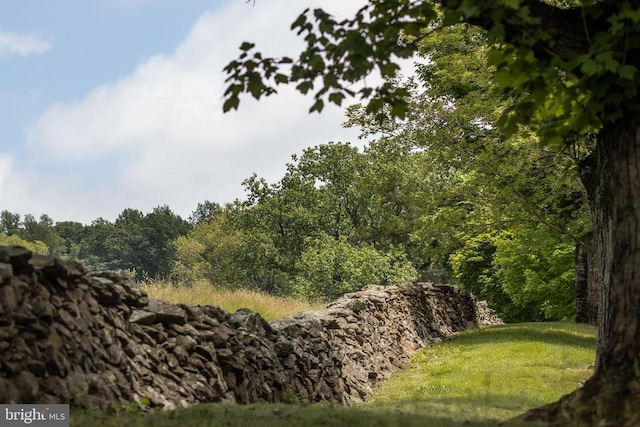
{"x": 96, "y": 339}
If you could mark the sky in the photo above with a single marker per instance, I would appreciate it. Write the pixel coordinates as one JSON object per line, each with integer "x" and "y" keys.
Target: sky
{"x": 114, "y": 104}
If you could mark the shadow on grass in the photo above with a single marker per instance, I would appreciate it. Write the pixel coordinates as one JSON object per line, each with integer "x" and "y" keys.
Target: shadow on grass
{"x": 276, "y": 415}
{"x": 480, "y": 403}
{"x": 548, "y": 333}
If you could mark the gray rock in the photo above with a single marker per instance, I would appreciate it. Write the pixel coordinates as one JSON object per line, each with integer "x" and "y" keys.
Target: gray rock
{"x": 167, "y": 313}
{"x": 6, "y": 271}
{"x": 142, "y": 317}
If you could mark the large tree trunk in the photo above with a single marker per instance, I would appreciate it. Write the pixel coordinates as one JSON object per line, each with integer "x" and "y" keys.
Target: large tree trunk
{"x": 612, "y": 396}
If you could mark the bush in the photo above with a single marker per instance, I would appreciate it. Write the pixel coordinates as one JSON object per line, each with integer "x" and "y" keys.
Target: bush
{"x": 14, "y": 240}
{"x": 331, "y": 267}
{"x": 526, "y": 274}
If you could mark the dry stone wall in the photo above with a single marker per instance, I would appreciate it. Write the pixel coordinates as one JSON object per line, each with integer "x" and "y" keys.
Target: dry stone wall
{"x": 96, "y": 339}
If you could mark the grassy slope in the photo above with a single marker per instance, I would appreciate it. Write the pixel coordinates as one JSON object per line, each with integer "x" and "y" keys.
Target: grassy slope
{"x": 493, "y": 374}
{"x": 476, "y": 379}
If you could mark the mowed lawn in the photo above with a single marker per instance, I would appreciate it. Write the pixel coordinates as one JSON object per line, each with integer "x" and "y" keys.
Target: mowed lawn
{"x": 491, "y": 375}
{"x": 478, "y": 378}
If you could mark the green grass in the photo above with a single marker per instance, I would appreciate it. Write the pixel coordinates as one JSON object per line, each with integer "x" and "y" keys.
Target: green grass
{"x": 493, "y": 374}
{"x": 479, "y": 378}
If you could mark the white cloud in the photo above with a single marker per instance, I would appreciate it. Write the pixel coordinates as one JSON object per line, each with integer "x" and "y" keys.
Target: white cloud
{"x": 22, "y": 45}
{"x": 22, "y": 192}
{"x": 26, "y": 191}
{"x": 163, "y": 123}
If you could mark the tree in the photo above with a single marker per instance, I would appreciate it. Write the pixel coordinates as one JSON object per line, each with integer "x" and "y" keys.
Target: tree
{"x": 542, "y": 278}
{"x": 72, "y": 233}
{"x": 15, "y": 240}
{"x": 204, "y": 211}
{"x": 9, "y": 223}
{"x": 42, "y": 230}
{"x": 133, "y": 243}
{"x": 215, "y": 250}
{"x": 491, "y": 184}
{"x": 333, "y": 172}
{"x": 100, "y": 248}
{"x": 574, "y": 68}
{"x": 365, "y": 202}
{"x": 158, "y": 230}
{"x": 331, "y": 267}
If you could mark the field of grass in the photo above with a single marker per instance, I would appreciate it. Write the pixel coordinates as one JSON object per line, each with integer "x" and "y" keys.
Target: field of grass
{"x": 479, "y": 378}
{"x": 491, "y": 375}
{"x": 202, "y": 292}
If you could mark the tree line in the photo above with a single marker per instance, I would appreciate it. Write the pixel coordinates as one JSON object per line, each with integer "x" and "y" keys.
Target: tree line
{"x": 141, "y": 243}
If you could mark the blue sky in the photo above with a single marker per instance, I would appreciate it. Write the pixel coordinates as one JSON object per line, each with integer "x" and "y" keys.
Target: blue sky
{"x": 114, "y": 104}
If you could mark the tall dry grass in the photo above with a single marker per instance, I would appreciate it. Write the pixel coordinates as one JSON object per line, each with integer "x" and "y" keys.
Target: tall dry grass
{"x": 203, "y": 292}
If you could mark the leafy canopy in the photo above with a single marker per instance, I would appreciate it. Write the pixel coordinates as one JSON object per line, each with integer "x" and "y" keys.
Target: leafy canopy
{"x": 571, "y": 63}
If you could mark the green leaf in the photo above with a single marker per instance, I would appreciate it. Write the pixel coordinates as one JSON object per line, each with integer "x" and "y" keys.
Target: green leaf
{"x": 316, "y": 63}
{"x": 317, "y": 106}
{"x": 231, "y": 104}
{"x": 504, "y": 78}
{"x": 300, "y": 20}
{"x": 513, "y": 4}
{"x": 496, "y": 57}
{"x": 590, "y": 67}
{"x": 399, "y": 109}
{"x": 281, "y": 78}
{"x": 375, "y": 105}
{"x": 336, "y": 98}
{"x": 247, "y": 46}
{"x": 231, "y": 66}
{"x": 250, "y": 65}
{"x": 234, "y": 89}
{"x": 627, "y": 71}
{"x": 609, "y": 62}
{"x": 469, "y": 8}
{"x": 389, "y": 69}
{"x": 304, "y": 87}
{"x": 366, "y": 92}
{"x": 255, "y": 88}
{"x": 626, "y": 13}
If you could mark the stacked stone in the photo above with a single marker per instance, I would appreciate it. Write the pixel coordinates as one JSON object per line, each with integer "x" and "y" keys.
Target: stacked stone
{"x": 374, "y": 332}
{"x": 96, "y": 339}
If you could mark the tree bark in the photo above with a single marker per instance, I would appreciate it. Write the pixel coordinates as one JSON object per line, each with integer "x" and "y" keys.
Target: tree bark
{"x": 582, "y": 282}
{"x": 619, "y": 240}
{"x": 594, "y": 285}
{"x": 588, "y": 283}
{"x": 612, "y": 396}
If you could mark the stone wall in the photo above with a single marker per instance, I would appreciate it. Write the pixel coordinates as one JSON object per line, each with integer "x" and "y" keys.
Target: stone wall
{"x": 96, "y": 339}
